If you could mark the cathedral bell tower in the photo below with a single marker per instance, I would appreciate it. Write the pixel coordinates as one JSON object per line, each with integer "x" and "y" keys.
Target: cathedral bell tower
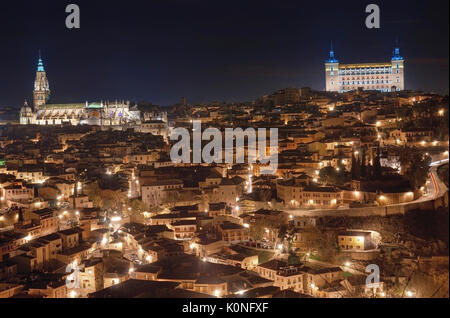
{"x": 41, "y": 93}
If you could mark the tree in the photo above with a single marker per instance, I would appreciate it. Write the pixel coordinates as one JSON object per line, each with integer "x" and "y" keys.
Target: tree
{"x": 256, "y": 232}
{"x": 113, "y": 200}
{"x": 330, "y": 175}
{"x": 355, "y": 169}
{"x": 93, "y": 191}
{"x": 325, "y": 242}
{"x": 377, "y": 165}
{"x": 137, "y": 207}
{"x": 363, "y": 168}
{"x": 415, "y": 165}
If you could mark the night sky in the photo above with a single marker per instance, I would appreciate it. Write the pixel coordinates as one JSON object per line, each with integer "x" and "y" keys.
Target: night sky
{"x": 212, "y": 50}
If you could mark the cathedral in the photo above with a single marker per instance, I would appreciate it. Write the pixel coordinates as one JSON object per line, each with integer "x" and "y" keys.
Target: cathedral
{"x": 100, "y": 113}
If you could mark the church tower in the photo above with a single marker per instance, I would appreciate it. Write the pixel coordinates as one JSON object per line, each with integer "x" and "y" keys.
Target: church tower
{"x": 41, "y": 93}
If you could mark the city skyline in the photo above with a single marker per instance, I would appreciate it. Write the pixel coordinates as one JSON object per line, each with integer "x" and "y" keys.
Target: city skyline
{"x": 159, "y": 58}
{"x": 222, "y": 152}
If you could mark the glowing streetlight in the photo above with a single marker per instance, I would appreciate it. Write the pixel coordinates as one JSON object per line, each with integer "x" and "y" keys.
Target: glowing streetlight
{"x": 116, "y": 219}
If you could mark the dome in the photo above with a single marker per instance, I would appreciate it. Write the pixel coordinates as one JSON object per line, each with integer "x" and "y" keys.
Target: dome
{"x": 26, "y": 109}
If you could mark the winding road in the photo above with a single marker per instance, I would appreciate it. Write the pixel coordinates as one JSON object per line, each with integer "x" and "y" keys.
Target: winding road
{"x": 435, "y": 188}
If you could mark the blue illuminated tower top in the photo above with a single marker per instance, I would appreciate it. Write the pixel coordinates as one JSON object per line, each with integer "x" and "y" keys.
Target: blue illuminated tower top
{"x": 331, "y": 59}
{"x": 397, "y": 56}
{"x": 40, "y": 67}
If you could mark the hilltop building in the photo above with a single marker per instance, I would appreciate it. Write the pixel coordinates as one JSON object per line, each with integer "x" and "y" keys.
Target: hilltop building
{"x": 384, "y": 77}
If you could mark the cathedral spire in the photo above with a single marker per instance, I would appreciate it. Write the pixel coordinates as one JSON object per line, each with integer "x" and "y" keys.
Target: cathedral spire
{"x": 41, "y": 93}
{"x": 40, "y": 67}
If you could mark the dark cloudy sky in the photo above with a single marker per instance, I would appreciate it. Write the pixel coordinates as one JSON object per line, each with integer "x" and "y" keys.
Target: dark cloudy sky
{"x": 210, "y": 50}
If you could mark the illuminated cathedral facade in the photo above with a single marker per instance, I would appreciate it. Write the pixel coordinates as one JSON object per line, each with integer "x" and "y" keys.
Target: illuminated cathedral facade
{"x": 384, "y": 77}
{"x": 100, "y": 113}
